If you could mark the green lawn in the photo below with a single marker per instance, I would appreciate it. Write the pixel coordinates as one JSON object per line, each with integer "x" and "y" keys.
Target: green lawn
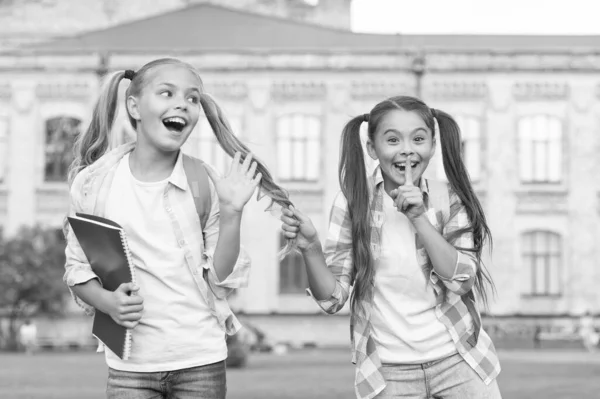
{"x": 307, "y": 374}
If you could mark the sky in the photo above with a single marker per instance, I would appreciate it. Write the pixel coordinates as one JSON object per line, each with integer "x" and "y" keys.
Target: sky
{"x": 561, "y": 17}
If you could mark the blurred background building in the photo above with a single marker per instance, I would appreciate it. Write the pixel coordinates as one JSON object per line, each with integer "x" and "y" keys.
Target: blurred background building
{"x": 289, "y": 75}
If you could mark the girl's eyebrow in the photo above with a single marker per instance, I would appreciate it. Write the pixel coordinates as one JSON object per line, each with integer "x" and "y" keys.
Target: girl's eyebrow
{"x": 391, "y": 130}
{"x": 171, "y": 85}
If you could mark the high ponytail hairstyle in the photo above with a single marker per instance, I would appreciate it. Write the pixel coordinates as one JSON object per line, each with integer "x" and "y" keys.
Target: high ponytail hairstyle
{"x": 354, "y": 185}
{"x": 231, "y": 144}
{"x": 353, "y": 182}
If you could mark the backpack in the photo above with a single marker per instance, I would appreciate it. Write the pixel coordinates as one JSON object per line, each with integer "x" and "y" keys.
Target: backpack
{"x": 197, "y": 178}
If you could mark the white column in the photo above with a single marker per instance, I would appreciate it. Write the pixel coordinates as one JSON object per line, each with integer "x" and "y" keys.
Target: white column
{"x": 22, "y": 179}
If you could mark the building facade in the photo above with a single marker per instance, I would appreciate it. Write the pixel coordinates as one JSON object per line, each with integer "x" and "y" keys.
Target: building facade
{"x": 529, "y": 109}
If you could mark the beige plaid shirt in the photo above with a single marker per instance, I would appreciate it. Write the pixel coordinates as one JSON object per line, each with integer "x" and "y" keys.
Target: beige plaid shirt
{"x": 456, "y": 307}
{"x": 89, "y": 193}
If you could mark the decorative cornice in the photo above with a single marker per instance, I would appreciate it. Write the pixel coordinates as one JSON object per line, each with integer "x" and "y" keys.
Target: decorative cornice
{"x": 63, "y": 90}
{"x": 298, "y": 90}
{"x": 512, "y": 61}
{"x": 457, "y": 90}
{"x": 230, "y": 90}
{"x": 531, "y": 91}
{"x": 379, "y": 90}
{"x": 393, "y": 60}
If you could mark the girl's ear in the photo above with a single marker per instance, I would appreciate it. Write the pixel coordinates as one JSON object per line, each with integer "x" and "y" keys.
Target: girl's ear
{"x": 132, "y": 108}
{"x": 371, "y": 149}
{"x": 433, "y": 147}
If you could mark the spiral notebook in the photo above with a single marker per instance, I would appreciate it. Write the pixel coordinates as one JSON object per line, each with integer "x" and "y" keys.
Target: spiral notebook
{"x": 105, "y": 245}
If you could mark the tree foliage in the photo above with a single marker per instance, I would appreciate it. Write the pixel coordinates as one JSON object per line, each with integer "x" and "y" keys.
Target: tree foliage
{"x": 31, "y": 270}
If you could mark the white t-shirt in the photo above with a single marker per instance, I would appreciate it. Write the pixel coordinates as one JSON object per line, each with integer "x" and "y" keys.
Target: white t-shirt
{"x": 405, "y": 327}
{"x": 176, "y": 330}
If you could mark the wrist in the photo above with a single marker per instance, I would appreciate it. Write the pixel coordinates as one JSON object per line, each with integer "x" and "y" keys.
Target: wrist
{"x": 229, "y": 212}
{"x": 313, "y": 246}
{"x": 420, "y": 220}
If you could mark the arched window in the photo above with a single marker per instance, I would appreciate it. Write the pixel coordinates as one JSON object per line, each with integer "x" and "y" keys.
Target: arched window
{"x": 292, "y": 272}
{"x": 3, "y": 148}
{"x": 299, "y": 147}
{"x": 60, "y": 136}
{"x": 542, "y": 258}
{"x": 540, "y": 149}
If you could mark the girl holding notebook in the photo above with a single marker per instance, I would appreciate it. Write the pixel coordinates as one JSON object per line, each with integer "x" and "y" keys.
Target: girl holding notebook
{"x": 410, "y": 248}
{"x": 177, "y": 308}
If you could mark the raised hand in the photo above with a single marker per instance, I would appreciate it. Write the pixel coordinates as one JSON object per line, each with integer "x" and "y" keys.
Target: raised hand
{"x": 237, "y": 186}
{"x": 408, "y": 198}
{"x": 125, "y": 306}
{"x": 299, "y": 226}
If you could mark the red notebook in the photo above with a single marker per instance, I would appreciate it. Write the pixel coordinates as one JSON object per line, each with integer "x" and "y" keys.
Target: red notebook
{"x": 105, "y": 245}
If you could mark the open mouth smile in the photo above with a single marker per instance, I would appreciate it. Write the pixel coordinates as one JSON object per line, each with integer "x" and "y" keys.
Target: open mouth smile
{"x": 175, "y": 123}
{"x": 401, "y": 166}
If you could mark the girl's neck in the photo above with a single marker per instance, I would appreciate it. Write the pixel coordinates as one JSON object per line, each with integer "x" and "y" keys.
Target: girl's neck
{"x": 148, "y": 164}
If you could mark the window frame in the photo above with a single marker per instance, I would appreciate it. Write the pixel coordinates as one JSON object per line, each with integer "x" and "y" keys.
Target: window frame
{"x": 305, "y": 141}
{"x": 560, "y": 141}
{"x": 530, "y": 257}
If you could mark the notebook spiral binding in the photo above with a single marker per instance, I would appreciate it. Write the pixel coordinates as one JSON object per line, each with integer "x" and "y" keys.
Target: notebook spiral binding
{"x": 127, "y": 348}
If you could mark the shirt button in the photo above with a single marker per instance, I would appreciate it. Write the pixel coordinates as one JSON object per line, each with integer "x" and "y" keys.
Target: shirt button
{"x": 181, "y": 242}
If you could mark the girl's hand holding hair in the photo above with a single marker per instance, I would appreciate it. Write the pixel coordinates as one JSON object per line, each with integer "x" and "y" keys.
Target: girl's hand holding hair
{"x": 408, "y": 198}
{"x": 237, "y": 186}
{"x": 298, "y": 226}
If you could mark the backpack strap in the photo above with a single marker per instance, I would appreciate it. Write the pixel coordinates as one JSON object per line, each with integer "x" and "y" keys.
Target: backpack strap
{"x": 197, "y": 177}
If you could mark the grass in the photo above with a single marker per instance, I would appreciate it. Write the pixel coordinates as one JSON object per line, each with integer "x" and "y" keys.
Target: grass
{"x": 307, "y": 374}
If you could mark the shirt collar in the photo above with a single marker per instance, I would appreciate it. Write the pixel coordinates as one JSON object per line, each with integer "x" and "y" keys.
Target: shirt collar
{"x": 378, "y": 179}
{"x": 178, "y": 178}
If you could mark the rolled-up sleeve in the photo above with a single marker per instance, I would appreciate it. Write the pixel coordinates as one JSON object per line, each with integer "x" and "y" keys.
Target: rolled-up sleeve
{"x": 77, "y": 267}
{"x": 458, "y": 233}
{"x": 240, "y": 275}
{"x": 338, "y": 255}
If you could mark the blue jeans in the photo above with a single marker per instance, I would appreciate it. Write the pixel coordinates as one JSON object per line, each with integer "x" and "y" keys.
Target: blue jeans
{"x": 203, "y": 382}
{"x": 448, "y": 378}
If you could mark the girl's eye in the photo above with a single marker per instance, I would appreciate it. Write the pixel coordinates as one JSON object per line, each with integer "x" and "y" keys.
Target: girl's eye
{"x": 393, "y": 140}
{"x": 418, "y": 138}
{"x": 166, "y": 93}
{"x": 194, "y": 99}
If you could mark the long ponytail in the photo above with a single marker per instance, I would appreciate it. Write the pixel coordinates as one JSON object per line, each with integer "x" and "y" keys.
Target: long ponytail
{"x": 354, "y": 185}
{"x": 231, "y": 144}
{"x": 94, "y": 142}
{"x": 458, "y": 177}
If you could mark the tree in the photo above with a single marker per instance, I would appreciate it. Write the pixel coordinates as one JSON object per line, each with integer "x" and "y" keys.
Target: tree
{"x": 31, "y": 269}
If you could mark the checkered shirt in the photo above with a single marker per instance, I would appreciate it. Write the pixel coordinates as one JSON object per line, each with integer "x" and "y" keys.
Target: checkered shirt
{"x": 456, "y": 305}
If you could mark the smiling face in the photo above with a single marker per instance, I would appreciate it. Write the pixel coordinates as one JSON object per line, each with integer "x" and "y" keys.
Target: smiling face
{"x": 168, "y": 106}
{"x": 401, "y": 134}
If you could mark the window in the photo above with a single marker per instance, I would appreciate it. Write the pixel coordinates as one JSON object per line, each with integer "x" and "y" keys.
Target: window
{"x": 60, "y": 137}
{"x": 3, "y": 148}
{"x": 540, "y": 149}
{"x": 292, "y": 272}
{"x": 470, "y": 129}
{"x": 203, "y": 144}
{"x": 299, "y": 147}
{"x": 542, "y": 256}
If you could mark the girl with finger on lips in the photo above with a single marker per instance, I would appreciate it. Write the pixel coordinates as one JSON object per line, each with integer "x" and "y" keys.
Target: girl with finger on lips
{"x": 406, "y": 251}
